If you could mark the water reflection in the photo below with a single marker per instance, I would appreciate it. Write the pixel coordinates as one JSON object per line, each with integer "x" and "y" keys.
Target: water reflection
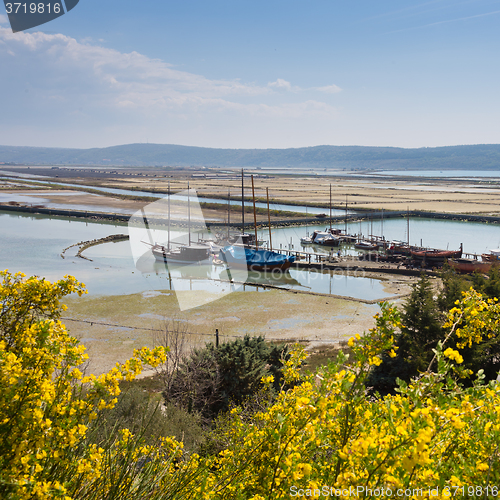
{"x": 33, "y": 244}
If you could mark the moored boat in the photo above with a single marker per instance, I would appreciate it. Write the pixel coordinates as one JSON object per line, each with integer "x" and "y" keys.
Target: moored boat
{"x": 396, "y": 247}
{"x": 471, "y": 266}
{"x": 492, "y": 256}
{"x": 365, "y": 245}
{"x": 325, "y": 238}
{"x": 349, "y": 238}
{"x": 255, "y": 259}
{"x": 435, "y": 255}
{"x": 184, "y": 254}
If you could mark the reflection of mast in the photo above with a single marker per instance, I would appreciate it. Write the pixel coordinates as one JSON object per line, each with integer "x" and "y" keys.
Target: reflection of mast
{"x": 242, "y": 204}
{"x": 189, "y": 217}
{"x": 408, "y": 224}
{"x": 269, "y": 220}
{"x": 168, "y": 240}
{"x": 228, "y": 210}
{"x": 254, "y": 216}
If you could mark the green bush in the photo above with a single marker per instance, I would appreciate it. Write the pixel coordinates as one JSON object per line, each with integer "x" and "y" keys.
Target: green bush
{"x": 213, "y": 378}
{"x": 144, "y": 415}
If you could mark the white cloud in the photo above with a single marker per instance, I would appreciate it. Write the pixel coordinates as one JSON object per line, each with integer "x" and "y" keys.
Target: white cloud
{"x": 133, "y": 78}
{"x": 280, "y": 84}
{"x": 329, "y": 89}
{"x": 3, "y": 19}
{"x": 287, "y": 110}
{"x": 70, "y": 89}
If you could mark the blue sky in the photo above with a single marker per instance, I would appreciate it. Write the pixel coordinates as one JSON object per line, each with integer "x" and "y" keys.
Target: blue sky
{"x": 253, "y": 74}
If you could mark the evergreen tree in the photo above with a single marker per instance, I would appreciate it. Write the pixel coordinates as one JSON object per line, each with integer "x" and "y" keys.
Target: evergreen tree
{"x": 420, "y": 332}
{"x": 421, "y": 327}
{"x": 453, "y": 286}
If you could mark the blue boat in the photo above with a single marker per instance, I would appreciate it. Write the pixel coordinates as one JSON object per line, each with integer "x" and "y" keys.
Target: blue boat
{"x": 254, "y": 259}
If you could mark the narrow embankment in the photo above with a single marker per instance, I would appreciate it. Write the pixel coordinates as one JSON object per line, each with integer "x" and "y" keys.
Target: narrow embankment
{"x": 83, "y": 245}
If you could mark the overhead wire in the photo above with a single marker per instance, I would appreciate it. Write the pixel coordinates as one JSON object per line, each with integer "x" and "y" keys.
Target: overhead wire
{"x": 115, "y": 325}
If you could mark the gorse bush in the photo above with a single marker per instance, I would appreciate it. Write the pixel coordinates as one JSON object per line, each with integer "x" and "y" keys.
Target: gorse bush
{"x": 46, "y": 404}
{"x": 319, "y": 436}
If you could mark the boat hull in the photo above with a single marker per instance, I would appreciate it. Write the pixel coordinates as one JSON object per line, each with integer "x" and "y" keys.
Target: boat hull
{"x": 467, "y": 266}
{"x": 436, "y": 255}
{"x": 254, "y": 259}
{"x": 365, "y": 246}
{"x": 184, "y": 255}
{"x": 490, "y": 257}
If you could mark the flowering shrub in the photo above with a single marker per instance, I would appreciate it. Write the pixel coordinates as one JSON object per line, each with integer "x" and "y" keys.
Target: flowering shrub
{"x": 322, "y": 437}
{"x": 46, "y": 403}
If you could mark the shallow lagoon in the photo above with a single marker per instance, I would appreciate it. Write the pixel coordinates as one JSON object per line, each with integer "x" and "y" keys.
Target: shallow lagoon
{"x": 33, "y": 245}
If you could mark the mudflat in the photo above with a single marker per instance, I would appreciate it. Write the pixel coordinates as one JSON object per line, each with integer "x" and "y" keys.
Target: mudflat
{"x": 360, "y": 192}
{"x": 136, "y": 320}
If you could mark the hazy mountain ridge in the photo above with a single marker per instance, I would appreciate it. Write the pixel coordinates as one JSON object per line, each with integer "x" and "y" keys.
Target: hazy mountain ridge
{"x": 482, "y": 156}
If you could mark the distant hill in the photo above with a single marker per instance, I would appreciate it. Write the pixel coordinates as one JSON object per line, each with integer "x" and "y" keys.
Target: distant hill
{"x": 482, "y": 156}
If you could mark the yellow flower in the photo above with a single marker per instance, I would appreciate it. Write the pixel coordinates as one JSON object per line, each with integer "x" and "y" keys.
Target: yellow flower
{"x": 454, "y": 355}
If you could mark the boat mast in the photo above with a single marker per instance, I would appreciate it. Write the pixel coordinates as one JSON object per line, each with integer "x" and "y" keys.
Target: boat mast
{"x": 269, "y": 220}
{"x": 345, "y": 230}
{"x": 408, "y": 224}
{"x": 382, "y": 226}
{"x": 330, "y": 209}
{"x": 254, "y": 216}
{"x": 242, "y": 204}
{"x": 189, "y": 218}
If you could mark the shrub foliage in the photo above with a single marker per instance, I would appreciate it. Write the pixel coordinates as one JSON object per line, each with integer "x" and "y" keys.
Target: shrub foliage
{"x": 211, "y": 379}
{"x": 320, "y": 436}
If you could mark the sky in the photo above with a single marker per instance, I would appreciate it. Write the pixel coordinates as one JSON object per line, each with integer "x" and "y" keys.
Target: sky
{"x": 254, "y": 74}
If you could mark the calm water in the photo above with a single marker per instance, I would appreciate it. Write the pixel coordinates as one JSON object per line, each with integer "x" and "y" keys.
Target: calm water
{"x": 40, "y": 200}
{"x": 33, "y": 244}
{"x": 476, "y": 237}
